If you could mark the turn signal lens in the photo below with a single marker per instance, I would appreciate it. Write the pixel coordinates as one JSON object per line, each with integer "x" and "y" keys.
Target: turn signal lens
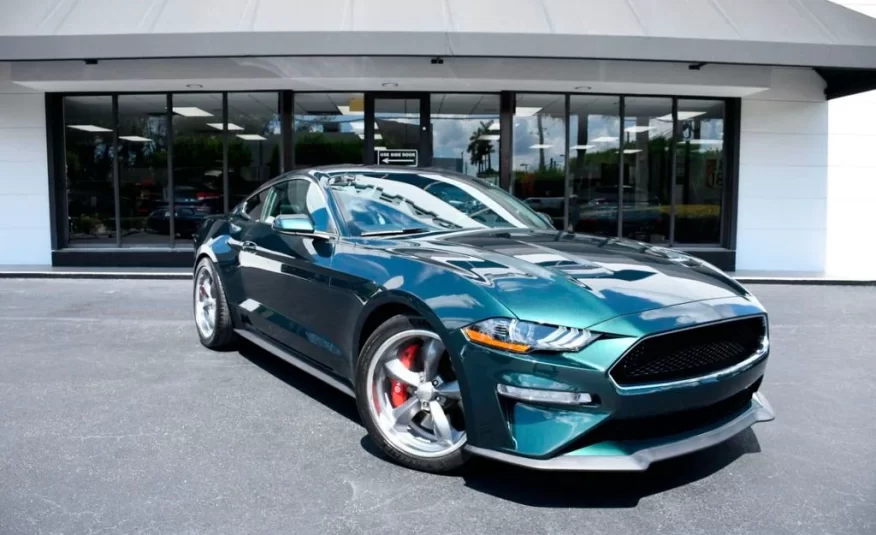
{"x": 544, "y": 396}
{"x": 523, "y": 336}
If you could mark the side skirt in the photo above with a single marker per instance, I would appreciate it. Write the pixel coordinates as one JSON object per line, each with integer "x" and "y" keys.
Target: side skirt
{"x": 295, "y": 361}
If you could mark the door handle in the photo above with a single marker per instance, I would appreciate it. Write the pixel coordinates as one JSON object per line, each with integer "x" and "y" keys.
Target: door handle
{"x": 248, "y": 246}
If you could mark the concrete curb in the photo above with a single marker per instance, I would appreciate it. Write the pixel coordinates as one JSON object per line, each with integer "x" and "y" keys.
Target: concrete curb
{"x": 185, "y": 275}
{"x": 111, "y": 275}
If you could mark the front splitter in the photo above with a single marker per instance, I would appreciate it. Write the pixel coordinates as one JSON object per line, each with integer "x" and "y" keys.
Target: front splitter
{"x": 639, "y": 460}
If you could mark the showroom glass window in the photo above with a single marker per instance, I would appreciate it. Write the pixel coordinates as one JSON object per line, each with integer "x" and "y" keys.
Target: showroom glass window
{"x": 329, "y": 128}
{"x": 143, "y": 177}
{"x": 253, "y": 143}
{"x": 594, "y": 124}
{"x": 647, "y": 170}
{"x": 465, "y": 134}
{"x": 88, "y": 150}
{"x": 699, "y": 176}
{"x": 198, "y": 189}
{"x": 538, "y": 155}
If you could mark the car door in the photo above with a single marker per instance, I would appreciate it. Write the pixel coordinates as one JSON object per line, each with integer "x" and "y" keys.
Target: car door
{"x": 287, "y": 276}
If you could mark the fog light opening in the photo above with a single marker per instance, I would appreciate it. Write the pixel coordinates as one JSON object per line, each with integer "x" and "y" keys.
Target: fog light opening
{"x": 554, "y": 397}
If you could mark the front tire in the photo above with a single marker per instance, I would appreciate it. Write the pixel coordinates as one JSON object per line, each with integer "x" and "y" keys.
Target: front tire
{"x": 212, "y": 316}
{"x": 408, "y": 396}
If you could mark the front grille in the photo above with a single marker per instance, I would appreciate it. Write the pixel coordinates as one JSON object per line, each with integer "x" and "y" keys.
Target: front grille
{"x": 689, "y": 353}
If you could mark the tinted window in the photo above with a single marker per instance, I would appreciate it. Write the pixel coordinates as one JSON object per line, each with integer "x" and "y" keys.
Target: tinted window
{"x": 426, "y": 201}
{"x": 253, "y": 206}
{"x": 299, "y": 196}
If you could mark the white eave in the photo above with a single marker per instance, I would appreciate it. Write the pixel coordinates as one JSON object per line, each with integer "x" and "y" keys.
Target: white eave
{"x": 805, "y": 33}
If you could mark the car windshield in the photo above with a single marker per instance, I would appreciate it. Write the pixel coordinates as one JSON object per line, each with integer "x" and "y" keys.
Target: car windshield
{"x": 375, "y": 203}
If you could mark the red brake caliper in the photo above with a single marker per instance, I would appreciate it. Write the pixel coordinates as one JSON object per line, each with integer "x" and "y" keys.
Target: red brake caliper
{"x": 399, "y": 391}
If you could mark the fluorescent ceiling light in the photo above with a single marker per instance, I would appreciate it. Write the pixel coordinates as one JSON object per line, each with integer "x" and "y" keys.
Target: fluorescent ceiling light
{"x": 489, "y": 137}
{"x": 682, "y": 116}
{"x": 605, "y": 139}
{"x": 632, "y": 151}
{"x": 523, "y": 111}
{"x": 705, "y": 141}
{"x": 191, "y": 112}
{"x": 89, "y": 128}
{"x": 231, "y": 126}
{"x": 252, "y": 137}
{"x": 380, "y": 148}
{"x": 495, "y": 126}
{"x": 345, "y": 110}
{"x": 139, "y": 139}
{"x": 637, "y": 129}
{"x": 582, "y": 147}
{"x": 376, "y": 136}
{"x": 540, "y": 146}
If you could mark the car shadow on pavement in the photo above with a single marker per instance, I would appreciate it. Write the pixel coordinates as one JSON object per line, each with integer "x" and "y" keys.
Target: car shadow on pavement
{"x": 603, "y": 489}
{"x": 301, "y": 381}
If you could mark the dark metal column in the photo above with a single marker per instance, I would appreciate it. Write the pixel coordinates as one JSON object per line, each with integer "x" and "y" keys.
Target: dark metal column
{"x": 287, "y": 131}
{"x": 672, "y": 173}
{"x": 425, "y": 158}
{"x": 116, "y": 193}
{"x": 368, "y": 157}
{"x": 620, "y": 167}
{"x": 568, "y": 178}
{"x": 168, "y": 133}
{"x": 506, "y": 139}
{"x": 226, "y": 190}
{"x": 729, "y": 215}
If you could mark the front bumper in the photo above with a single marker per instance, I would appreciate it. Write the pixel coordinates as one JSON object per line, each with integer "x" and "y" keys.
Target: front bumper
{"x": 638, "y": 456}
{"x": 625, "y": 428}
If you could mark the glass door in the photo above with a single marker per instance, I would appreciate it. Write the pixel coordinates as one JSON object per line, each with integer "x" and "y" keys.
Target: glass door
{"x": 397, "y": 130}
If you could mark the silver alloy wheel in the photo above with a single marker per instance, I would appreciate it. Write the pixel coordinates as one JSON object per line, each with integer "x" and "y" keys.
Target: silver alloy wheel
{"x": 205, "y": 303}
{"x": 419, "y": 426}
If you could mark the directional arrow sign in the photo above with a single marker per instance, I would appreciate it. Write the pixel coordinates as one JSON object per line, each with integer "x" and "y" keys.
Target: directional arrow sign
{"x": 408, "y": 157}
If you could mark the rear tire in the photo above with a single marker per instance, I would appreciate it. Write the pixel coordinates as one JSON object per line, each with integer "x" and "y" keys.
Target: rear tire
{"x": 426, "y": 440}
{"x": 212, "y": 316}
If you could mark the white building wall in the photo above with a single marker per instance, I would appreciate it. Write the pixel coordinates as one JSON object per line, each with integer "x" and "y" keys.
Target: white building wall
{"x": 852, "y": 178}
{"x": 24, "y": 190}
{"x": 782, "y": 216}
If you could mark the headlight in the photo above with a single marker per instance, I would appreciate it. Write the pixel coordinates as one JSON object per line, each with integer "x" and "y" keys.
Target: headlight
{"x": 522, "y": 336}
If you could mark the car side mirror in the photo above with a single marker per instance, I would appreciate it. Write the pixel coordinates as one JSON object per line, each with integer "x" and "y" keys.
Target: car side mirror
{"x": 546, "y": 218}
{"x": 293, "y": 224}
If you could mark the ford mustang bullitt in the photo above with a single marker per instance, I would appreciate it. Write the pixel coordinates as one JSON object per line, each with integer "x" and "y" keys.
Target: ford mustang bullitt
{"x": 463, "y": 323}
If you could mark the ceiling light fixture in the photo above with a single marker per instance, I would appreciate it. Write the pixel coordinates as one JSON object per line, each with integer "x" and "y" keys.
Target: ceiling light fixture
{"x": 682, "y": 116}
{"x": 138, "y": 139}
{"x": 194, "y": 86}
{"x": 524, "y": 111}
{"x": 190, "y": 111}
{"x": 540, "y": 146}
{"x": 583, "y": 88}
{"x": 252, "y": 137}
{"x": 582, "y": 147}
{"x": 389, "y": 84}
{"x": 88, "y": 128}
{"x": 637, "y": 129}
{"x": 231, "y": 126}
{"x": 632, "y": 151}
{"x": 380, "y": 148}
{"x": 494, "y": 126}
{"x": 605, "y": 139}
{"x": 489, "y": 137}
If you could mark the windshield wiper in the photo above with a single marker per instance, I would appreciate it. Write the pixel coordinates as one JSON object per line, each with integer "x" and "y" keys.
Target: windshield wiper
{"x": 412, "y": 230}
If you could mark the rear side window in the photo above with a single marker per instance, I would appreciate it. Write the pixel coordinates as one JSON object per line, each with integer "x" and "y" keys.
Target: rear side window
{"x": 252, "y": 207}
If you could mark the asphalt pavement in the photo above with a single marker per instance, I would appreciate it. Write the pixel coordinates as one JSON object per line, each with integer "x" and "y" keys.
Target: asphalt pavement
{"x": 114, "y": 419}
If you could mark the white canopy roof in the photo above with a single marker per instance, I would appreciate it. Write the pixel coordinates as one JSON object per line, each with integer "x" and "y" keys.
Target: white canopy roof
{"x": 810, "y": 33}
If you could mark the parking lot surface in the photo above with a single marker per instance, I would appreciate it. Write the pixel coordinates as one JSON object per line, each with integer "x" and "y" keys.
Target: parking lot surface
{"x": 114, "y": 419}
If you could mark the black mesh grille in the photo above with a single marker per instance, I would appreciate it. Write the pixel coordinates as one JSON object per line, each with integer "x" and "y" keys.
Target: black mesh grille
{"x": 690, "y": 353}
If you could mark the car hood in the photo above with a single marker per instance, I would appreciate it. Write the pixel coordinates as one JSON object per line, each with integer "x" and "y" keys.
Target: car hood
{"x": 573, "y": 280}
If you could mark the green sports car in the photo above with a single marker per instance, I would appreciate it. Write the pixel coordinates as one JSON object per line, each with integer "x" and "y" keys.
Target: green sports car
{"x": 464, "y": 324}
